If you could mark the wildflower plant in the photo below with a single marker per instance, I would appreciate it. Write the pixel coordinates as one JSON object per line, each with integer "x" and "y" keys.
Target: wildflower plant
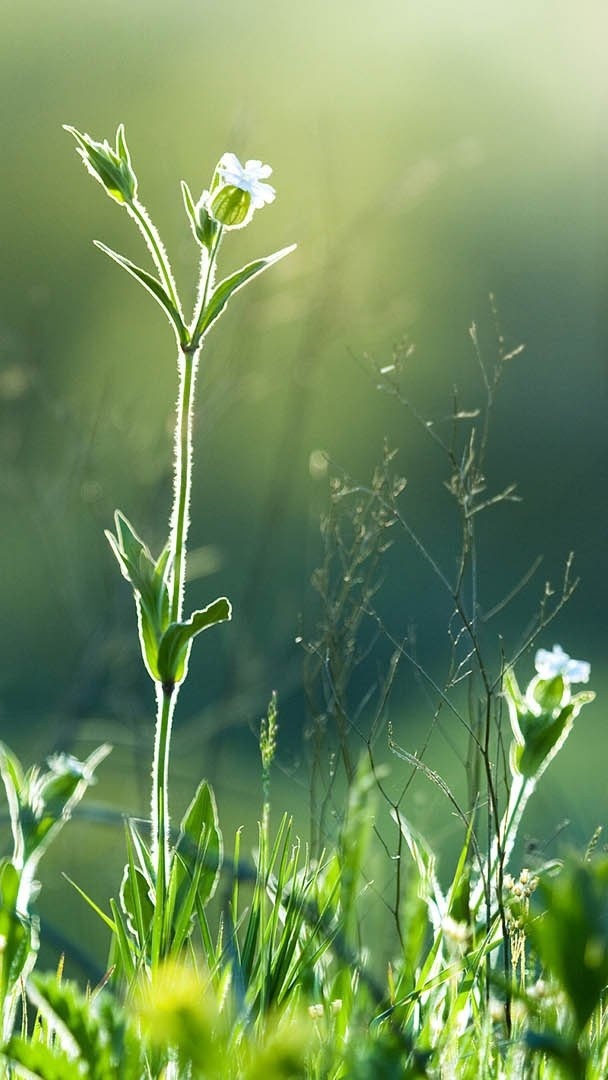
{"x": 541, "y": 721}
{"x": 40, "y": 802}
{"x": 155, "y": 874}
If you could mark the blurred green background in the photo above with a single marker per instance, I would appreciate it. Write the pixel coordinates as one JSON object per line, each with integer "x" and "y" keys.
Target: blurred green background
{"x": 424, "y": 155}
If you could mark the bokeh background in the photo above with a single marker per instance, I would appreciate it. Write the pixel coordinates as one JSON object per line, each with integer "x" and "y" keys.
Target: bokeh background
{"x": 425, "y": 155}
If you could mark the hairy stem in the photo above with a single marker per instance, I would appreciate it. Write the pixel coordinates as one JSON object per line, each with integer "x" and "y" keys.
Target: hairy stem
{"x": 160, "y": 810}
{"x": 207, "y": 274}
{"x": 167, "y": 694}
{"x": 187, "y": 366}
{"x": 188, "y": 363}
{"x": 156, "y": 249}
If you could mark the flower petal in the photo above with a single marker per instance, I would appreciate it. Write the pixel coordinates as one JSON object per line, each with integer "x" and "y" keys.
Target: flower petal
{"x": 262, "y": 193}
{"x": 557, "y": 662}
{"x": 577, "y": 671}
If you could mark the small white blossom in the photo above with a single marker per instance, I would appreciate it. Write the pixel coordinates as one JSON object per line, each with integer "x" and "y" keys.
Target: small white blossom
{"x": 457, "y": 935}
{"x": 248, "y": 177}
{"x": 551, "y": 664}
{"x": 317, "y": 1011}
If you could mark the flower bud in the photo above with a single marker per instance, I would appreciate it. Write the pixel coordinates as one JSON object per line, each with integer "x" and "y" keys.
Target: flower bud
{"x": 110, "y": 167}
{"x": 231, "y": 206}
{"x": 204, "y": 227}
{"x": 237, "y": 190}
{"x": 207, "y": 227}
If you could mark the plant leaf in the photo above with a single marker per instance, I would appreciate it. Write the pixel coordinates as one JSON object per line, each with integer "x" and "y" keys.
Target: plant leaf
{"x": 148, "y": 580}
{"x": 226, "y": 288}
{"x": 200, "y": 839}
{"x": 135, "y": 901}
{"x": 19, "y": 935}
{"x": 14, "y": 783}
{"x": 102, "y": 915}
{"x": 126, "y": 947}
{"x": 154, "y": 287}
{"x": 174, "y": 647}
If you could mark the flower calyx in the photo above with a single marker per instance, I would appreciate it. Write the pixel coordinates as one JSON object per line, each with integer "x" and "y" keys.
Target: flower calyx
{"x": 110, "y": 166}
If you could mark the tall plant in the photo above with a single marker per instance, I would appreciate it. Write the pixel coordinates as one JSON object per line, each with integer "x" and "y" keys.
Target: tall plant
{"x": 235, "y": 192}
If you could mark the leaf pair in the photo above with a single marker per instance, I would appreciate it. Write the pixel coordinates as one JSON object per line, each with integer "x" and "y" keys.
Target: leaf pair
{"x": 165, "y": 645}
{"x": 216, "y": 303}
{"x": 113, "y": 170}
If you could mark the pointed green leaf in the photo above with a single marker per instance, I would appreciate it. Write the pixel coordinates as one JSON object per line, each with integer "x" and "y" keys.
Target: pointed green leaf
{"x": 226, "y": 288}
{"x": 14, "y": 784}
{"x": 149, "y": 582}
{"x": 19, "y": 935}
{"x": 148, "y": 639}
{"x": 183, "y": 907}
{"x": 154, "y": 287}
{"x": 102, "y": 915}
{"x": 159, "y": 582}
{"x": 200, "y": 838}
{"x": 51, "y": 798}
{"x": 190, "y": 207}
{"x": 135, "y": 902}
{"x": 133, "y": 555}
{"x": 142, "y": 851}
{"x": 174, "y": 647}
{"x": 204, "y": 227}
{"x": 121, "y": 146}
{"x": 127, "y": 949}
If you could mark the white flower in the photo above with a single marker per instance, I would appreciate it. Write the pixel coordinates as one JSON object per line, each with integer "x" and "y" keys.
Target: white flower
{"x": 551, "y": 664}
{"x": 248, "y": 177}
{"x": 457, "y": 935}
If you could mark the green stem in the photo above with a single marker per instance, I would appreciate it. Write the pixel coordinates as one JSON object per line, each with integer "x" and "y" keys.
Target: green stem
{"x": 503, "y": 843}
{"x": 188, "y": 363}
{"x": 160, "y": 811}
{"x": 167, "y": 695}
{"x": 207, "y": 273}
{"x": 157, "y": 251}
{"x": 521, "y": 791}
